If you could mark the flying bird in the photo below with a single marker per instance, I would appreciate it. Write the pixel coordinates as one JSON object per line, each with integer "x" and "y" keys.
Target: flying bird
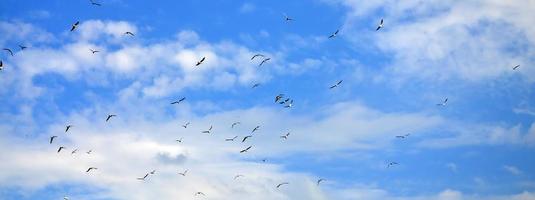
{"x": 60, "y": 148}
{"x": 186, "y": 125}
{"x": 94, "y": 51}
{"x": 89, "y": 152}
{"x": 516, "y": 67}
{"x": 95, "y": 3}
{"x": 334, "y": 34}
{"x": 289, "y": 105}
{"x": 403, "y": 136}
{"x": 129, "y": 33}
{"x": 208, "y": 131}
{"x": 281, "y": 184}
{"x": 319, "y": 181}
{"x": 443, "y": 103}
{"x": 179, "y": 101}
{"x": 246, "y": 149}
{"x": 22, "y": 47}
{"x": 153, "y": 172}
{"x": 264, "y": 160}
{"x": 234, "y": 124}
{"x": 256, "y": 85}
{"x": 91, "y": 168}
{"x": 255, "y": 129}
{"x": 67, "y": 128}
{"x": 200, "y": 61}
{"x": 1, "y": 64}
{"x": 110, "y": 116}
{"x": 65, "y": 198}
{"x": 9, "y": 51}
{"x": 74, "y": 25}
{"x": 180, "y": 140}
{"x": 380, "y": 25}
{"x": 238, "y": 176}
{"x": 263, "y": 61}
{"x": 199, "y": 193}
{"x": 245, "y": 138}
{"x": 231, "y": 139}
{"x": 52, "y": 138}
{"x": 144, "y": 177}
{"x": 392, "y": 164}
{"x": 337, "y": 84}
{"x": 278, "y": 97}
{"x": 183, "y": 173}
{"x": 287, "y": 18}
{"x": 74, "y": 151}
{"x": 257, "y": 55}
{"x": 285, "y": 136}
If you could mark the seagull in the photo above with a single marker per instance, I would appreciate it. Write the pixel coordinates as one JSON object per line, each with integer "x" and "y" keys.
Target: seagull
{"x": 144, "y": 177}
{"x": 234, "y": 124}
{"x": 515, "y": 67}
{"x": 208, "y": 131}
{"x": 391, "y": 164}
{"x": 199, "y": 193}
{"x": 257, "y": 55}
{"x": 403, "y": 136}
{"x": 60, "y": 148}
{"x": 380, "y": 25}
{"x": 336, "y": 85}
{"x": 285, "y": 136}
{"x": 443, "y": 103}
{"x": 180, "y": 100}
{"x": 74, "y": 25}
{"x": 22, "y": 47}
{"x": 286, "y": 18}
{"x": 231, "y": 139}
{"x": 73, "y": 152}
{"x": 264, "y": 160}
{"x": 153, "y": 172}
{"x": 65, "y": 198}
{"x": 95, "y": 3}
{"x": 89, "y": 152}
{"x": 1, "y": 64}
{"x": 278, "y": 97}
{"x": 129, "y": 33}
{"x": 200, "y": 61}
{"x": 180, "y": 140}
{"x": 263, "y": 61}
{"x": 91, "y": 168}
{"x": 186, "y": 125}
{"x": 246, "y": 149}
{"x": 67, "y": 128}
{"x": 8, "y": 50}
{"x": 319, "y": 181}
{"x": 281, "y": 184}
{"x": 238, "y": 176}
{"x": 183, "y": 173}
{"x": 256, "y": 85}
{"x": 94, "y": 51}
{"x": 290, "y": 104}
{"x": 334, "y": 34}
{"x": 255, "y": 129}
{"x": 52, "y": 138}
{"x": 110, "y": 116}
{"x": 245, "y": 138}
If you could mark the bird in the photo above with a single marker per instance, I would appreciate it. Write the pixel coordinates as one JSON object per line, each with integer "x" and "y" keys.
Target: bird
{"x": 281, "y": 184}
{"x": 231, "y": 139}
{"x": 208, "y": 131}
{"x": 9, "y": 51}
{"x": 278, "y": 97}
{"x": 319, "y": 181}
{"x": 65, "y": 198}
{"x": 74, "y": 25}
{"x": 1, "y": 64}
{"x": 94, "y": 51}
{"x": 144, "y": 177}
{"x": 129, "y": 33}
{"x": 89, "y": 152}
{"x": 255, "y": 129}
{"x": 110, "y": 116}
{"x": 183, "y": 173}
{"x": 256, "y": 85}
{"x": 443, "y": 103}
{"x": 180, "y": 140}
{"x": 91, "y": 168}
{"x": 95, "y": 3}
{"x": 287, "y": 18}
{"x": 186, "y": 125}
{"x": 153, "y": 172}
{"x": 263, "y": 61}
{"x": 22, "y": 47}
{"x": 60, "y": 148}
{"x": 264, "y": 160}
{"x": 178, "y": 102}
{"x": 52, "y": 138}
{"x": 238, "y": 176}
{"x": 246, "y": 149}
{"x": 403, "y": 136}
{"x": 234, "y": 124}
{"x": 289, "y": 105}
{"x": 285, "y": 136}
{"x": 334, "y": 34}
{"x": 67, "y": 128}
{"x": 245, "y": 138}
{"x": 515, "y": 67}
{"x": 74, "y": 151}
{"x": 200, "y": 61}
{"x": 257, "y": 55}
{"x": 199, "y": 193}
{"x": 337, "y": 84}
{"x": 380, "y": 25}
{"x": 391, "y": 164}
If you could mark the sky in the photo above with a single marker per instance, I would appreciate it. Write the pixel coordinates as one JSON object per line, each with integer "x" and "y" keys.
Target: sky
{"x": 477, "y": 145}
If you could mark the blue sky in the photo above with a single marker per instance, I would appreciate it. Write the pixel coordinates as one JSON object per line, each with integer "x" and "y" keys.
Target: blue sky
{"x": 477, "y": 146}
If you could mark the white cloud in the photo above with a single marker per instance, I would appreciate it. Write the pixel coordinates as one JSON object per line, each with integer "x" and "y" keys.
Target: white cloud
{"x": 512, "y": 169}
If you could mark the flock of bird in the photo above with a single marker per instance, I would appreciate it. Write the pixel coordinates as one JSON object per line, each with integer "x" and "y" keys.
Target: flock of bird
{"x": 280, "y": 99}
